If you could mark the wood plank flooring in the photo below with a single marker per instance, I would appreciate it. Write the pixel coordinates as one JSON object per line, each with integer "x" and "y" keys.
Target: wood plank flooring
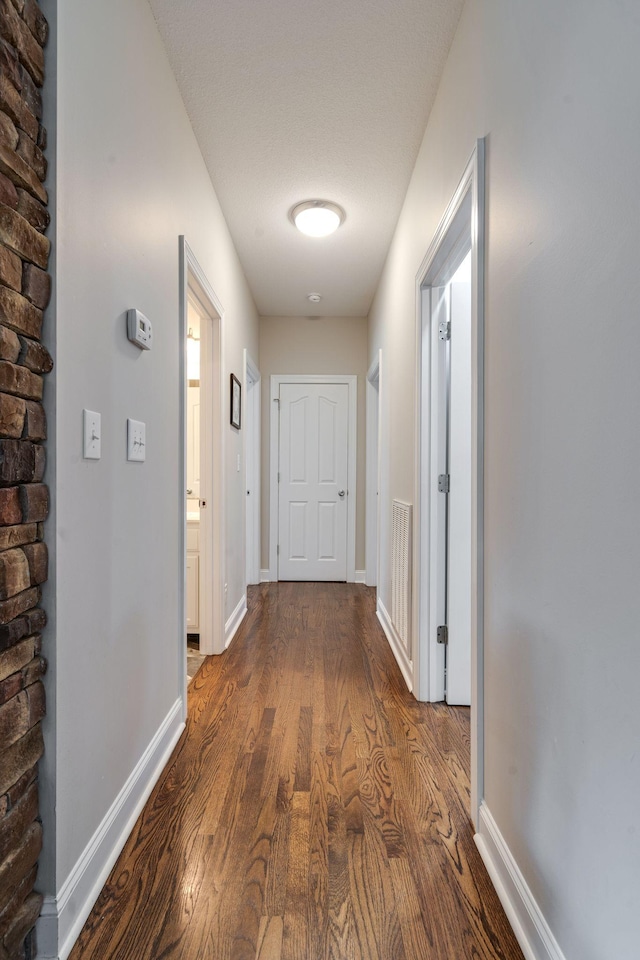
{"x": 313, "y": 810}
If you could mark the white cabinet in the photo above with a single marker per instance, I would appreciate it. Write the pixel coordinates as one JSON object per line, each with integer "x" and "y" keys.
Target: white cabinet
{"x": 193, "y": 577}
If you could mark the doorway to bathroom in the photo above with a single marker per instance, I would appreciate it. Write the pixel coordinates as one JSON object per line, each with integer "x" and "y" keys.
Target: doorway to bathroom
{"x": 202, "y": 468}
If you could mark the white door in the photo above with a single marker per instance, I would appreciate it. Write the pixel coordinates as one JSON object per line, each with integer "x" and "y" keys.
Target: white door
{"x": 458, "y": 652}
{"x": 313, "y": 470}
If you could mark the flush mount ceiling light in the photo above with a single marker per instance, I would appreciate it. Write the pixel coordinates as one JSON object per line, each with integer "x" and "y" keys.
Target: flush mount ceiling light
{"x": 314, "y": 297}
{"x": 317, "y": 218}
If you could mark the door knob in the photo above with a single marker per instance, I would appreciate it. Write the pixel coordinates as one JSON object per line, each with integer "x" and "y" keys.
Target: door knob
{"x": 341, "y": 493}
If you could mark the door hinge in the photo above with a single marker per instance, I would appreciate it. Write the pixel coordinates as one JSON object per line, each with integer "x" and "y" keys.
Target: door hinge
{"x": 443, "y": 634}
{"x": 443, "y": 483}
{"x": 278, "y": 476}
{"x": 444, "y": 330}
{"x": 278, "y": 550}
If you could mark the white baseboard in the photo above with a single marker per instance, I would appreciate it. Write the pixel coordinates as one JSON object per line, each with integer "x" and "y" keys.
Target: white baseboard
{"x": 63, "y": 916}
{"x": 361, "y": 576}
{"x": 265, "y": 576}
{"x": 234, "y": 621}
{"x": 397, "y": 647}
{"x": 529, "y": 925}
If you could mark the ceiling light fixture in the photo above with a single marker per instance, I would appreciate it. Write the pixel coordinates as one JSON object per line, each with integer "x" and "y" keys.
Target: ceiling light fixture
{"x": 317, "y": 218}
{"x": 314, "y": 297}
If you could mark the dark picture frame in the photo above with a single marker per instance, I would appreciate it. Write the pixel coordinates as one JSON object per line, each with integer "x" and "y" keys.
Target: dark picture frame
{"x": 236, "y": 401}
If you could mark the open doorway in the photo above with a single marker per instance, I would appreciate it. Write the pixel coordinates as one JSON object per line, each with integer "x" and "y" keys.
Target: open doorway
{"x": 448, "y": 554}
{"x": 450, "y": 408}
{"x": 372, "y": 553}
{"x": 202, "y": 465}
{"x": 252, "y": 467}
{"x": 195, "y": 321}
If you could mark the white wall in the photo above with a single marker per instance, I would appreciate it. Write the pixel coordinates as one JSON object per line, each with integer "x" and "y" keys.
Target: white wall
{"x": 131, "y": 180}
{"x": 314, "y": 345}
{"x": 556, "y": 88}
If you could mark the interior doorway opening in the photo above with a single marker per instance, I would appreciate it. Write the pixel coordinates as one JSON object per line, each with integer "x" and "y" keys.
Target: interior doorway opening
{"x": 196, "y": 319}
{"x": 450, "y": 405}
{"x": 252, "y": 406}
{"x": 372, "y": 551}
{"x": 448, "y": 549}
{"x": 201, "y": 462}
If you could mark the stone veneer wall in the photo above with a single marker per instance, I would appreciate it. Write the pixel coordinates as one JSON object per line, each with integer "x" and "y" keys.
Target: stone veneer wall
{"x": 25, "y": 288}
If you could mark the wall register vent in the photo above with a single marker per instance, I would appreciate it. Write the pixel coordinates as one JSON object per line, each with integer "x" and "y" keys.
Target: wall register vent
{"x": 401, "y": 572}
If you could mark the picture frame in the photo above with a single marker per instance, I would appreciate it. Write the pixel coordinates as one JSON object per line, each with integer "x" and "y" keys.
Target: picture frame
{"x": 236, "y": 401}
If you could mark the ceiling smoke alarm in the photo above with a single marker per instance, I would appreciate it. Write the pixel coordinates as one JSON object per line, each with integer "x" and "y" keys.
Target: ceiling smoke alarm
{"x": 314, "y": 297}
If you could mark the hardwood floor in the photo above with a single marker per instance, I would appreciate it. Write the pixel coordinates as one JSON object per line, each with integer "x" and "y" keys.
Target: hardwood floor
{"x": 313, "y": 810}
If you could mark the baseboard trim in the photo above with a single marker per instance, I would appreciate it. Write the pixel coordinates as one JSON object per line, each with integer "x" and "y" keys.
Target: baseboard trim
{"x": 234, "y": 621}
{"x": 64, "y": 916}
{"x": 265, "y": 576}
{"x": 361, "y": 576}
{"x": 397, "y": 648}
{"x": 529, "y": 925}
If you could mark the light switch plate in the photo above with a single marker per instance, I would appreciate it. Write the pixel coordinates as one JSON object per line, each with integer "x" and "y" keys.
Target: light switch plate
{"x": 91, "y": 432}
{"x": 136, "y": 440}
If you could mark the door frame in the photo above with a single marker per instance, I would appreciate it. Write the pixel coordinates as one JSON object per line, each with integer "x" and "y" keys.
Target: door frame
{"x": 251, "y": 440}
{"x": 274, "y": 449}
{"x": 467, "y": 207}
{"x": 193, "y": 281}
{"x": 372, "y": 548}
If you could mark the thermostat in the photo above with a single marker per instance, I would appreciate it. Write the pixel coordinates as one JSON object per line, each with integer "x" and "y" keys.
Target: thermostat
{"x": 139, "y": 329}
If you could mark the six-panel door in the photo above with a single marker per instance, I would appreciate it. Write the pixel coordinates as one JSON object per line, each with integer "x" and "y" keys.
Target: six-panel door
{"x": 313, "y": 458}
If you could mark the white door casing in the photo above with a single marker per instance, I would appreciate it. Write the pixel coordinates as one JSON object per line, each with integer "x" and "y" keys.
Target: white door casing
{"x": 350, "y": 381}
{"x": 313, "y": 489}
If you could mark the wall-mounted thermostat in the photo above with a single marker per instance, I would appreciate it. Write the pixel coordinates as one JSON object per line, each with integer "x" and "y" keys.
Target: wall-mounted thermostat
{"x": 139, "y": 329}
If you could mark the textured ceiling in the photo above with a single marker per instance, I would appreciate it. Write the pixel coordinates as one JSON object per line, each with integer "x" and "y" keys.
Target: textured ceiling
{"x": 298, "y": 99}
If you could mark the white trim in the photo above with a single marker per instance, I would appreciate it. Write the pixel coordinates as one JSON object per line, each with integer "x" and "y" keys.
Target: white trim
{"x": 361, "y": 576}
{"x": 265, "y": 575}
{"x": 525, "y": 916}
{"x": 274, "y": 421}
{"x": 372, "y": 507}
{"x": 424, "y": 642}
{"x": 396, "y": 644}
{"x": 212, "y": 532}
{"x": 252, "y": 391}
{"x": 64, "y": 916}
{"x": 234, "y": 621}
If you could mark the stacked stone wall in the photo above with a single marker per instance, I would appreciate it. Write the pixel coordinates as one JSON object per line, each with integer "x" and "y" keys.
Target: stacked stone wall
{"x": 25, "y": 288}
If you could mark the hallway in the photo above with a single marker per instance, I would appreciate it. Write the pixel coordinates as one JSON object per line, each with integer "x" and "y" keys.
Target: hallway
{"x": 312, "y": 809}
